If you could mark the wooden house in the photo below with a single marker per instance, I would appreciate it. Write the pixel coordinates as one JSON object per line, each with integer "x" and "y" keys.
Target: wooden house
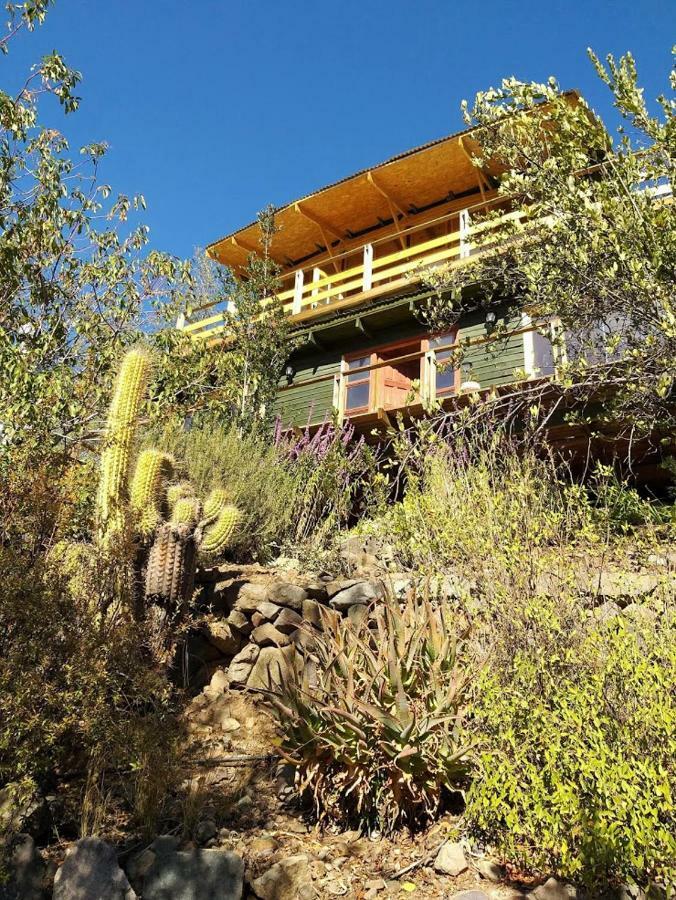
{"x": 352, "y": 258}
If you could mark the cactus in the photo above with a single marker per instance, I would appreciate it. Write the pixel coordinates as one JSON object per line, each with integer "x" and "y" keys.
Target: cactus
{"x": 119, "y": 437}
{"x": 217, "y": 536}
{"x": 165, "y": 555}
{"x": 153, "y": 469}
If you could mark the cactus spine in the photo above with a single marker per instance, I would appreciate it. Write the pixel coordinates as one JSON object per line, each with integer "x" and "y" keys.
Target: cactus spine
{"x": 119, "y": 437}
{"x": 153, "y": 469}
{"x": 186, "y": 511}
{"x": 215, "y": 502}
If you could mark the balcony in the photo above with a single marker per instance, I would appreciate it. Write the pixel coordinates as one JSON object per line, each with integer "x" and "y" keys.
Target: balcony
{"x": 369, "y": 271}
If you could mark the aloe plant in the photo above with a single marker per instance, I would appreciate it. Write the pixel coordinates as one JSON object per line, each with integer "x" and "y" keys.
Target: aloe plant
{"x": 375, "y": 730}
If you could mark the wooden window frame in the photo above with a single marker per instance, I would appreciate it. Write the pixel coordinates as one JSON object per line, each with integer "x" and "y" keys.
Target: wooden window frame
{"x": 457, "y": 374}
{"x": 364, "y": 379}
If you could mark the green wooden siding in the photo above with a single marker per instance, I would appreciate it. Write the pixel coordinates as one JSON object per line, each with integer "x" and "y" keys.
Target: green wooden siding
{"x": 492, "y": 364}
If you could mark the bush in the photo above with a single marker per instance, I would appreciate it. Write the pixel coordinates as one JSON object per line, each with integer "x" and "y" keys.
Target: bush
{"x": 576, "y": 772}
{"x": 374, "y": 732}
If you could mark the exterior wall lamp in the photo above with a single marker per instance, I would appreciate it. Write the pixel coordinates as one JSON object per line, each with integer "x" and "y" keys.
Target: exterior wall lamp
{"x": 289, "y": 371}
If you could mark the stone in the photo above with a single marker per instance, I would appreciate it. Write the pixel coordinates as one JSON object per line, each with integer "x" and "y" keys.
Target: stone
{"x": 223, "y": 636}
{"x": 205, "y": 831}
{"x": 450, "y": 860}
{"x": 311, "y": 612}
{"x": 138, "y": 867}
{"x": 268, "y": 610}
{"x": 257, "y": 619}
{"x": 238, "y": 620}
{"x": 363, "y": 592}
{"x": 219, "y": 683}
{"x": 24, "y": 870}
{"x": 357, "y": 613}
{"x": 242, "y": 664}
{"x": 90, "y": 871}
{"x": 554, "y": 890}
{"x": 490, "y": 870}
{"x": 23, "y": 812}
{"x": 288, "y": 621}
{"x": 289, "y": 879}
{"x": 195, "y": 875}
{"x": 270, "y": 667}
{"x": 249, "y": 596}
{"x": 316, "y": 590}
{"x": 340, "y": 584}
{"x": 290, "y": 595}
{"x": 268, "y": 636}
{"x": 470, "y": 895}
{"x": 623, "y": 586}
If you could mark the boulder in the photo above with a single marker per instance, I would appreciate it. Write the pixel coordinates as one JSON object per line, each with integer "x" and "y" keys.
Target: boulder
{"x": 242, "y": 664}
{"x": 290, "y": 879}
{"x": 268, "y": 636}
{"x": 268, "y": 610}
{"x": 316, "y": 590}
{"x": 470, "y": 895}
{"x": 290, "y": 595}
{"x": 249, "y": 596}
{"x": 223, "y": 636}
{"x": 271, "y": 667}
{"x": 90, "y": 872}
{"x": 450, "y": 860}
{"x": 554, "y": 890}
{"x": 194, "y": 875}
{"x": 24, "y": 871}
{"x": 357, "y": 614}
{"x": 311, "y": 612}
{"x": 240, "y": 621}
{"x": 360, "y": 592}
{"x": 288, "y": 620}
{"x": 218, "y": 685}
{"x": 257, "y": 619}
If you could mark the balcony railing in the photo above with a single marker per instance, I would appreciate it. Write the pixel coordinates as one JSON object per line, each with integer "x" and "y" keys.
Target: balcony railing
{"x": 378, "y": 273}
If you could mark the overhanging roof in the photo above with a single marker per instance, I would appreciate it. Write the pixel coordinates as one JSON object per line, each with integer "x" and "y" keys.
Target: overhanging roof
{"x": 403, "y": 184}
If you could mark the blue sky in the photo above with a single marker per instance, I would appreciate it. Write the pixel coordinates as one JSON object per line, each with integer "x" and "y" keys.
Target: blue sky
{"x": 214, "y": 109}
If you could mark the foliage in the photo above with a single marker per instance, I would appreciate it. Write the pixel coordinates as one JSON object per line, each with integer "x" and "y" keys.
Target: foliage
{"x": 578, "y": 740}
{"x": 597, "y": 246}
{"x": 374, "y": 732}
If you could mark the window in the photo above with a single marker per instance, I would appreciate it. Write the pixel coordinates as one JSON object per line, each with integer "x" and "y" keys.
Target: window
{"x": 445, "y": 370}
{"x": 358, "y": 385}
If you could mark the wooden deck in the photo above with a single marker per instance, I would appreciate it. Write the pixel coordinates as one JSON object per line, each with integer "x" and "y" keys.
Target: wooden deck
{"x": 368, "y": 271}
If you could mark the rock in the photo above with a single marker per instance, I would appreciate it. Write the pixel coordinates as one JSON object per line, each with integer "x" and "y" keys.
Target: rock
{"x": 360, "y": 592}
{"x": 250, "y": 595}
{"x": 340, "y": 584}
{"x": 622, "y": 586}
{"x": 289, "y": 879}
{"x": 257, "y": 619}
{"x": 450, "y": 860}
{"x": 357, "y": 613}
{"x": 23, "y": 811}
{"x": 311, "y": 612}
{"x": 205, "y": 831}
{"x": 223, "y": 636}
{"x": 268, "y": 636}
{"x": 24, "y": 871}
{"x": 490, "y": 870}
{"x": 138, "y": 866}
{"x": 90, "y": 872}
{"x": 195, "y": 875}
{"x": 470, "y": 895}
{"x": 219, "y": 683}
{"x": 238, "y": 620}
{"x": 290, "y": 595}
{"x": 288, "y": 621}
{"x": 262, "y": 846}
{"x": 241, "y": 666}
{"x": 606, "y": 611}
{"x": 316, "y": 590}
{"x": 268, "y": 610}
{"x": 554, "y": 890}
{"x": 271, "y": 667}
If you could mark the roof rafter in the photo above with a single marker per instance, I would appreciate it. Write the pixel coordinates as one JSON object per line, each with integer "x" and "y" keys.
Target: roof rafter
{"x": 319, "y": 221}
{"x": 387, "y": 194}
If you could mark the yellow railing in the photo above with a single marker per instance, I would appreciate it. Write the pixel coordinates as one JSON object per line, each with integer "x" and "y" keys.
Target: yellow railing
{"x": 376, "y": 275}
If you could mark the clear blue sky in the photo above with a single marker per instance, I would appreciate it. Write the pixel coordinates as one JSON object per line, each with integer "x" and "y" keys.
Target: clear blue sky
{"x": 214, "y": 108}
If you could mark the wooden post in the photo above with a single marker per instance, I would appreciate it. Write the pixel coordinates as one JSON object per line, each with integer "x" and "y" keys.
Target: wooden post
{"x": 465, "y": 245}
{"x": 340, "y": 391}
{"x": 429, "y": 379}
{"x": 528, "y": 346}
{"x": 297, "y": 293}
{"x": 367, "y": 279}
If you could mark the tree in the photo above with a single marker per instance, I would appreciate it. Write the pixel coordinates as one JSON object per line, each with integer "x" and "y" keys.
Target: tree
{"x": 597, "y": 244}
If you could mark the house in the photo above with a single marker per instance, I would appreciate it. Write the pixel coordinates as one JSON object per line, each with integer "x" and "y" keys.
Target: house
{"x": 353, "y": 257}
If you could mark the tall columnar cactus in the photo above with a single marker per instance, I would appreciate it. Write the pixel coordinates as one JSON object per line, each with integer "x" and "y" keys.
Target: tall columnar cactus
{"x": 168, "y": 523}
{"x": 129, "y": 393}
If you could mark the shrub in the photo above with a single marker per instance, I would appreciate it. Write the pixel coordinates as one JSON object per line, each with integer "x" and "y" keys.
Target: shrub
{"x": 374, "y": 732}
{"x": 576, "y": 769}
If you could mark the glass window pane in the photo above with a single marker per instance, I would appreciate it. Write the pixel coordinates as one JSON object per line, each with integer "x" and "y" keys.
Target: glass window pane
{"x": 442, "y": 340}
{"x": 358, "y": 395}
{"x": 445, "y": 372}
{"x": 357, "y": 364}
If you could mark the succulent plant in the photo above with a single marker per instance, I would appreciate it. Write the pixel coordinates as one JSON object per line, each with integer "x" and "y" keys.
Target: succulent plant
{"x": 375, "y": 728}
{"x": 166, "y": 521}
